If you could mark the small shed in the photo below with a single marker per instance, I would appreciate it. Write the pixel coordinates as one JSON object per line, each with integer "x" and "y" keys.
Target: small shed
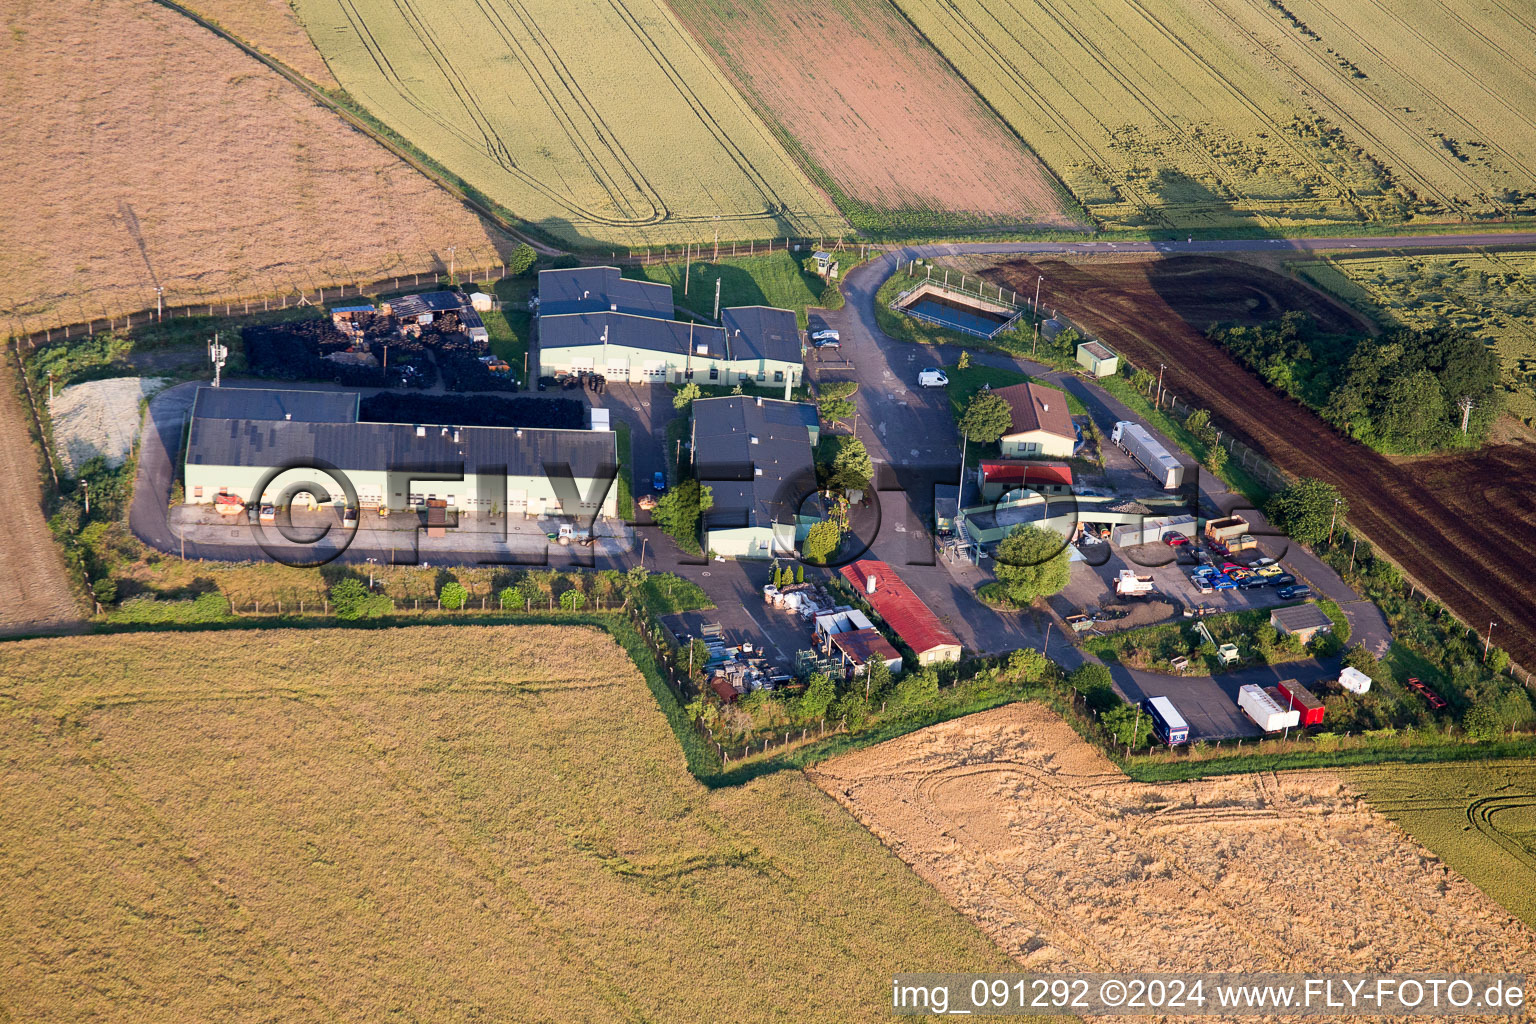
{"x": 859, "y": 648}
{"x": 480, "y": 302}
{"x": 826, "y": 266}
{"x": 1304, "y": 621}
{"x": 1355, "y": 681}
{"x": 1097, "y": 358}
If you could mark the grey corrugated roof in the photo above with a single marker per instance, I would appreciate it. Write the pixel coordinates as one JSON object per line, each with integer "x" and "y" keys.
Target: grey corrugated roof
{"x": 761, "y": 332}
{"x": 275, "y": 404}
{"x": 1301, "y": 616}
{"x": 264, "y": 439}
{"x": 591, "y": 289}
{"x": 433, "y": 302}
{"x": 726, "y": 459}
{"x": 567, "y": 330}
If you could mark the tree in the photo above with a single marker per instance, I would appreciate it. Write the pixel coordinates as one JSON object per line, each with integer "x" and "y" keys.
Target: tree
{"x": 521, "y": 260}
{"x": 1215, "y": 459}
{"x": 635, "y": 576}
{"x": 799, "y": 574}
{"x": 1032, "y": 562}
{"x": 1141, "y": 380}
{"x": 105, "y": 590}
{"x": 1307, "y": 510}
{"x": 453, "y": 595}
{"x": 821, "y": 542}
{"x": 1027, "y": 665}
{"x": 573, "y": 600}
{"x": 819, "y": 693}
{"x": 351, "y": 599}
{"x": 1415, "y": 415}
{"x": 685, "y": 396}
{"x": 918, "y": 689}
{"x": 852, "y": 466}
{"x": 877, "y": 680}
{"x": 986, "y": 418}
{"x": 679, "y": 510}
{"x": 1128, "y": 724}
{"x": 964, "y": 362}
{"x": 511, "y": 599}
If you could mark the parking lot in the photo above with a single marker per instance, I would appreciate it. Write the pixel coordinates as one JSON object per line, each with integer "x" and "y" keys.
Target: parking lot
{"x": 1092, "y": 586}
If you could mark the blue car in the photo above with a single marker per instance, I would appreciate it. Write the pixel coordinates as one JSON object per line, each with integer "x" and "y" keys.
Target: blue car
{"x": 1221, "y": 581}
{"x": 658, "y": 481}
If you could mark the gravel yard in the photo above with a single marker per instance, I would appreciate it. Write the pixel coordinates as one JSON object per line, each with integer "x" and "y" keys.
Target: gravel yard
{"x": 99, "y": 417}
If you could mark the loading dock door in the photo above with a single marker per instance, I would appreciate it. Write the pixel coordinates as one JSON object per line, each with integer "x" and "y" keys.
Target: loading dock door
{"x": 517, "y": 502}
{"x": 655, "y": 371}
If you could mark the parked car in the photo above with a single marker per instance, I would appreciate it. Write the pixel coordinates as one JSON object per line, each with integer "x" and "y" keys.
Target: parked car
{"x": 931, "y": 378}
{"x": 268, "y": 513}
{"x": 1285, "y": 579}
{"x": 349, "y": 518}
{"x": 1269, "y": 570}
{"x": 1295, "y": 591}
{"x": 1221, "y": 581}
{"x": 658, "y": 481}
{"x": 1175, "y": 540}
{"x": 1202, "y": 584}
{"x": 826, "y": 339}
{"x": 1263, "y": 561}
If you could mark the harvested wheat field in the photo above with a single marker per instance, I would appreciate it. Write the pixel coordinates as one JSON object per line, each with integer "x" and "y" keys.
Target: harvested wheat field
{"x": 884, "y": 121}
{"x": 272, "y": 27}
{"x": 166, "y": 156}
{"x": 34, "y": 590}
{"x": 443, "y": 824}
{"x": 1071, "y": 866}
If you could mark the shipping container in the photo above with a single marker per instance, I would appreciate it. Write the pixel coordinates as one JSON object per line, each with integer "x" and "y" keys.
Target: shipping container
{"x": 1149, "y": 453}
{"x": 1301, "y": 700}
{"x": 1355, "y": 681}
{"x": 1264, "y": 709}
{"x": 1167, "y": 724}
{"x": 1151, "y": 530}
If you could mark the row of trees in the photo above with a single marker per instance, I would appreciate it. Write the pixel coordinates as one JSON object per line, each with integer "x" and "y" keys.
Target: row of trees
{"x": 1409, "y": 391}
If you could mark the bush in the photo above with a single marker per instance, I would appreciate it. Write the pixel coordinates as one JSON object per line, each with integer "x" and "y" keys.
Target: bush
{"x": 453, "y": 595}
{"x": 209, "y": 607}
{"x": 1032, "y": 562}
{"x": 1028, "y": 665}
{"x": 352, "y": 600}
{"x": 511, "y": 599}
{"x": 105, "y": 590}
{"x": 521, "y": 260}
{"x": 573, "y": 600}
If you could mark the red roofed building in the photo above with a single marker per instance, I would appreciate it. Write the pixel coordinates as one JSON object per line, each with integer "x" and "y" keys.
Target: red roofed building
{"x": 999, "y": 476}
{"x": 906, "y": 614}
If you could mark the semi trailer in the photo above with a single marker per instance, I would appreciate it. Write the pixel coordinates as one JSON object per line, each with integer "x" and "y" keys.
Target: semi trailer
{"x": 1136, "y": 442}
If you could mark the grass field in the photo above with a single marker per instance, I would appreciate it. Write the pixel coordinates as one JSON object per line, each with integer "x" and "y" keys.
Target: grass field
{"x": 600, "y": 123}
{"x": 1479, "y": 818}
{"x": 1489, "y": 294}
{"x": 1201, "y": 114}
{"x": 771, "y": 279}
{"x": 167, "y": 157}
{"x": 284, "y": 825}
{"x": 877, "y": 117}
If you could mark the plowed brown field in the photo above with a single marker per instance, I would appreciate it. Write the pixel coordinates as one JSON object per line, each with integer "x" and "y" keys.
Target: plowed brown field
{"x": 1071, "y": 866}
{"x": 34, "y": 590}
{"x": 1462, "y": 525}
{"x": 876, "y": 109}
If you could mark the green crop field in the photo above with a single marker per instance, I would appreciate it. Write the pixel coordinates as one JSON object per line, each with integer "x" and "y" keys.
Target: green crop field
{"x": 1270, "y": 113}
{"x": 1490, "y": 294}
{"x": 599, "y": 121}
{"x": 1479, "y": 818}
{"x": 769, "y": 279}
{"x": 423, "y": 823}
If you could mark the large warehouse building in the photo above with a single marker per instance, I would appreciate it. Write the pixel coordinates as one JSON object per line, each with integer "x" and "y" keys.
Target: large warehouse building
{"x": 756, "y": 456}
{"x": 593, "y": 320}
{"x": 242, "y": 437}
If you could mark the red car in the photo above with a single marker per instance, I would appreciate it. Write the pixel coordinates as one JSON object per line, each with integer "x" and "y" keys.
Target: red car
{"x": 1175, "y": 540}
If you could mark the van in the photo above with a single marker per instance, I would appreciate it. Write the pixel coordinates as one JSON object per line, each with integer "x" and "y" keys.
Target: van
{"x": 826, "y": 339}
{"x": 931, "y": 378}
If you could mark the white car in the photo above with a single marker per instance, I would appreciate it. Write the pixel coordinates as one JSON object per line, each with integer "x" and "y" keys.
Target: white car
{"x": 931, "y": 378}
{"x": 826, "y": 337}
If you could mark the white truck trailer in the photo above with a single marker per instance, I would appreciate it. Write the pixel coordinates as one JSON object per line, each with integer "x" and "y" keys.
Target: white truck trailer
{"x": 1151, "y": 455}
{"x": 1267, "y": 713}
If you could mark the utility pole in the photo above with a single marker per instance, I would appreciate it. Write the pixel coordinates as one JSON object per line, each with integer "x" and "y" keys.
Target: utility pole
{"x": 85, "y": 485}
{"x": 1160, "y": 368}
{"x": 717, "y": 297}
{"x": 1334, "y": 519}
{"x": 217, "y": 354}
{"x": 716, "y": 257}
{"x": 159, "y": 302}
{"x": 1487, "y": 642}
{"x": 1467, "y": 405}
{"x": 452, "y": 249}
{"x": 1353, "y": 548}
{"x": 687, "y": 269}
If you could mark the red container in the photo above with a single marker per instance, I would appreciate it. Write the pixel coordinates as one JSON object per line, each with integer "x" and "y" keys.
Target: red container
{"x": 1302, "y": 700}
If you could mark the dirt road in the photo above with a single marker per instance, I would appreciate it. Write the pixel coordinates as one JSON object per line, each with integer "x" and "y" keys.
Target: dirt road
{"x": 1457, "y": 523}
{"x": 34, "y": 592}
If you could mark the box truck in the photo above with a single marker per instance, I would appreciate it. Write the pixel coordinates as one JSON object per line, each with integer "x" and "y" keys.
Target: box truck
{"x": 1128, "y": 584}
{"x": 1301, "y": 700}
{"x": 1149, "y": 454}
{"x": 1264, "y": 709}
{"x": 1167, "y": 724}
